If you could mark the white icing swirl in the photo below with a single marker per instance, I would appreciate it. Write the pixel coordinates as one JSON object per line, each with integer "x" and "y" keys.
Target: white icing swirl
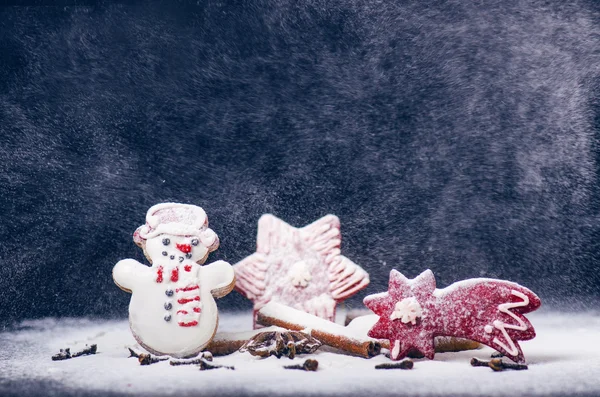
{"x": 502, "y": 326}
{"x": 408, "y": 310}
{"x": 300, "y": 274}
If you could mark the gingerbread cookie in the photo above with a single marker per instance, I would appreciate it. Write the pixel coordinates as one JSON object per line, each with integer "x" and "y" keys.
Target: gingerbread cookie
{"x": 299, "y": 267}
{"x": 413, "y": 312}
{"x": 172, "y": 309}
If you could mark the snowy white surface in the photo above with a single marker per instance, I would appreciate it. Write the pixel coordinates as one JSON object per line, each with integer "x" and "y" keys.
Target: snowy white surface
{"x": 564, "y": 360}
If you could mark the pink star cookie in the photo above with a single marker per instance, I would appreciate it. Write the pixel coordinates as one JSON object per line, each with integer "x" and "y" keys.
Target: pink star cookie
{"x": 299, "y": 267}
{"x": 413, "y": 312}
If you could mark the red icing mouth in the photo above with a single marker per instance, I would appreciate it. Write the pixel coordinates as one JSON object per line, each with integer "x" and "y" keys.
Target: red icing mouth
{"x": 185, "y": 248}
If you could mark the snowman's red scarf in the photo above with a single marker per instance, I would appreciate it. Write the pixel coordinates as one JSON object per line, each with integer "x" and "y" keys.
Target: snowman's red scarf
{"x": 190, "y": 299}
{"x": 174, "y": 274}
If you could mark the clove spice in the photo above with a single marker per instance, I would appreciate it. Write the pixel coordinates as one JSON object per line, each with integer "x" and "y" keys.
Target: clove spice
{"x": 308, "y": 365}
{"x": 405, "y": 364}
{"x": 87, "y": 351}
{"x": 145, "y": 359}
{"x": 497, "y": 364}
{"x": 65, "y": 354}
{"x": 205, "y": 356}
{"x": 475, "y": 362}
{"x": 204, "y": 366}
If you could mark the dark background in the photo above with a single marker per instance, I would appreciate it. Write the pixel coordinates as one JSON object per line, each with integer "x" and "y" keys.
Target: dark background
{"x": 461, "y": 136}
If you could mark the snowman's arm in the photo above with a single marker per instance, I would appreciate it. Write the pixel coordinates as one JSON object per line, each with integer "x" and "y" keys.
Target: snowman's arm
{"x": 126, "y": 272}
{"x": 220, "y": 278}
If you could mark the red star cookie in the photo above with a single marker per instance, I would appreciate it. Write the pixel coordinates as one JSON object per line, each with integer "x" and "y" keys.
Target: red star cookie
{"x": 413, "y": 312}
{"x": 299, "y": 267}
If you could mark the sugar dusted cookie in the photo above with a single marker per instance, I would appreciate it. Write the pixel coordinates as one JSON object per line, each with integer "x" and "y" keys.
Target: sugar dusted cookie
{"x": 299, "y": 267}
{"x": 413, "y": 312}
{"x": 172, "y": 309}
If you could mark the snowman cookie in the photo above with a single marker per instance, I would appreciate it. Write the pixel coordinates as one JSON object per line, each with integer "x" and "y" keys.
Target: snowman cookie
{"x": 172, "y": 309}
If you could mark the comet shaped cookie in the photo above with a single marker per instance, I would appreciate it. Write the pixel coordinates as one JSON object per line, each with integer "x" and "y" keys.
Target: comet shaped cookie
{"x": 299, "y": 267}
{"x": 172, "y": 309}
{"x": 413, "y": 312}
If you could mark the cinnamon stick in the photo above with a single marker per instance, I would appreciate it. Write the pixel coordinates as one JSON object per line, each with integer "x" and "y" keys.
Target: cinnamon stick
{"x": 327, "y": 332}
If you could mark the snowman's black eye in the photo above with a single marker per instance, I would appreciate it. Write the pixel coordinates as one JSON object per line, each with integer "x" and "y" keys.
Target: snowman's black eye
{"x": 166, "y": 241}
{"x": 165, "y": 253}
{"x": 195, "y": 242}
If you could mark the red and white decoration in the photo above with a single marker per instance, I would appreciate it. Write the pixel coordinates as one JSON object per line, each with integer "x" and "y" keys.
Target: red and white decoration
{"x": 299, "y": 267}
{"x": 172, "y": 309}
{"x": 413, "y": 312}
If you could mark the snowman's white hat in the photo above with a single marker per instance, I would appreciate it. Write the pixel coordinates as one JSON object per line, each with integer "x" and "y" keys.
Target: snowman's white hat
{"x": 179, "y": 220}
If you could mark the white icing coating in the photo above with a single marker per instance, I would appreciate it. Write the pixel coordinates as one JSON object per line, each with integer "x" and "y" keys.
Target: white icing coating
{"x": 488, "y": 329}
{"x": 299, "y": 274}
{"x": 179, "y": 337}
{"x": 407, "y": 310}
{"x": 505, "y": 308}
{"x": 177, "y": 219}
{"x": 395, "y": 350}
{"x": 172, "y": 309}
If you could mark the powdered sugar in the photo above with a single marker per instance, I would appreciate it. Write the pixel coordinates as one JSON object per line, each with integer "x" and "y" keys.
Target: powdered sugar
{"x": 564, "y": 359}
{"x": 309, "y": 321}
